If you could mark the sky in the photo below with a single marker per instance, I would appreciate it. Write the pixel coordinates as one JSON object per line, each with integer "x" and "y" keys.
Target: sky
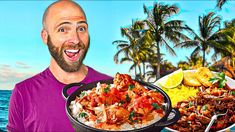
{"x": 23, "y": 54}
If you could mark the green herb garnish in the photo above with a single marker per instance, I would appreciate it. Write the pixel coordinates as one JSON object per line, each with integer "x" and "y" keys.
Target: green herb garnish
{"x": 121, "y": 102}
{"x": 204, "y": 107}
{"x": 220, "y": 78}
{"x": 107, "y": 89}
{"x": 155, "y": 106}
{"x": 232, "y": 93}
{"x": 82, "y": 115}
{"x": 131, "y": 87}
{"x": 190, "y": 104}
{"x": 128, "y": 99}
{"x": 83, "y": 93}
{"x": 131, "y": 116}
{"x": 98, "y": 121}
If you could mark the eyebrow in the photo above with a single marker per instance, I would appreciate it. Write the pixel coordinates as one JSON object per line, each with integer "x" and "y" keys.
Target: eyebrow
{"x": 80, "y": 22}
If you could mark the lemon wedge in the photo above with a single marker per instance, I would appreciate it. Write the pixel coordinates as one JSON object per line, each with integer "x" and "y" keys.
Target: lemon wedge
{"x": 172, "y": 80}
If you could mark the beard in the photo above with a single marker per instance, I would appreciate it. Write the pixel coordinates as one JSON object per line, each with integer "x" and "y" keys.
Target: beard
{"x": 57, "y": 54}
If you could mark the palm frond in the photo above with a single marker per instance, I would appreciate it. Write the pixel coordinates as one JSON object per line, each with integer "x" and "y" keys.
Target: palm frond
{"x": 121, "y": 46}
{"x": 145, "y": 9}
{"x": 220, "y": 3}
{"x": 150, "y": 25}
{"x": 119, "y": 41}
{"x": 125, "y": 59}
{"x": 117, "y": 55}
{"x": 132, "y": 67}
{"x": 169, "y": 49}
{"x": 196, "y": 51}
{"x": 187, "y": 44}
{"x": 125, "y": 32}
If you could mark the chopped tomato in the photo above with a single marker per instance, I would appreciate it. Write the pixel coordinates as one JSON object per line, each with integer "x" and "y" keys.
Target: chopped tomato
{"x": 143, "y": 102}
{"x": 93, "y": 102}
{"x": 192, "y": 116}
{"x": 115, "y": 92}
{"x": 160, "y": 111}
{"x": 92, "y": 117}
{"x": 219, "y": 125}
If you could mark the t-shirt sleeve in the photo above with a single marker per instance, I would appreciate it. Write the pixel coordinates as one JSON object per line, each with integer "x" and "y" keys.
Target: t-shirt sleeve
{"x": 15, "y": 116}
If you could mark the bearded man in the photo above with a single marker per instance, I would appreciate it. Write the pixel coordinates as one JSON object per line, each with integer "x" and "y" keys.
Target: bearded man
{"x": 36, "y": 103}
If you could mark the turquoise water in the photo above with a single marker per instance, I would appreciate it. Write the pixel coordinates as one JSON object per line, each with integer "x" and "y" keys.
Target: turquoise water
{"x": 4, "y": 102}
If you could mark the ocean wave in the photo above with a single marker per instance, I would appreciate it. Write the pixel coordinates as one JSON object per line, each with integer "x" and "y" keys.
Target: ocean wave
{"x": 4, "y": 104}
{"x": 3, "y": 129}
{"x": 3, "y": 108}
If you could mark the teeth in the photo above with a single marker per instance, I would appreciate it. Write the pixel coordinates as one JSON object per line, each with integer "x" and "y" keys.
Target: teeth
{"x": 73, "y": 51}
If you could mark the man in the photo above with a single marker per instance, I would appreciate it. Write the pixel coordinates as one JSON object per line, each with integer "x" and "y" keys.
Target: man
{"x": 37, "y": 104}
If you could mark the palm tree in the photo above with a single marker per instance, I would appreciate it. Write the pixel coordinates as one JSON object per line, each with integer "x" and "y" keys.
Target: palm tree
{"x": 204, "y": 41}
{"x": 145, "y": 48}
{"x": 224, "y": 47}
{"x": 126, "y": 48}
{"x": 220, "y": 3}
{"x": 163, "y": 30}
{"x": 136, "y": 50}
{"x": 225, "y": 44}
{"x": 152, "y": 66}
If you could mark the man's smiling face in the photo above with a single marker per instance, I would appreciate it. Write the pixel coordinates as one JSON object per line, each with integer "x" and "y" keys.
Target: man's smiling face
{"x": 67, "y": 35}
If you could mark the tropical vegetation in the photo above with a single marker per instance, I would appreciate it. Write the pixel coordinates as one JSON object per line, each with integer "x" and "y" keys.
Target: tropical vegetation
{"x": 145, "y": 39}
{"x": 204, "y": 41}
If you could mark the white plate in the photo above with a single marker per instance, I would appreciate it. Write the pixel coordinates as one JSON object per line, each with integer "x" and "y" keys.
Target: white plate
{"x": 230, "y": 82}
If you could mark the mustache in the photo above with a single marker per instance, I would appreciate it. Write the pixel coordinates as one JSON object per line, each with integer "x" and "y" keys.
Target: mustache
{"x": 73, "y": 46}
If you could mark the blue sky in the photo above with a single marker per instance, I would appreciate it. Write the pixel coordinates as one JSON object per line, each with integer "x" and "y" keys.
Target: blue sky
{"x": 23, "y": 54}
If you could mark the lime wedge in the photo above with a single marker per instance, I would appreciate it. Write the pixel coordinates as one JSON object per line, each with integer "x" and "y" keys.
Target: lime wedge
{"x": 172, "y": 80}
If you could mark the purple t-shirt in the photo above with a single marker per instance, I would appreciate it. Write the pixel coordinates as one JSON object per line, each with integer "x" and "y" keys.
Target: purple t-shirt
{"x": 37, "y": 103}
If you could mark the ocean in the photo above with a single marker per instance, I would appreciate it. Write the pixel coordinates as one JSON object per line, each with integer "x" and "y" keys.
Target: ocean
{"x": 4, "y": 102}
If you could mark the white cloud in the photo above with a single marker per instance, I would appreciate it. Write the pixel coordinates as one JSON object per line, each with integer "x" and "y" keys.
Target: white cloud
{"x": 9, "y": 75}
{"x": 22, "y": 65}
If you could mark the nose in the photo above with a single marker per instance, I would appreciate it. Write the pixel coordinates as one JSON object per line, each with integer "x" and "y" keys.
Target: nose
{"x": 75, "y": 39}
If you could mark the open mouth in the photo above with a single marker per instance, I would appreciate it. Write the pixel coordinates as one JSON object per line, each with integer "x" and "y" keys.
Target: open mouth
{"x": 72, "y": 55}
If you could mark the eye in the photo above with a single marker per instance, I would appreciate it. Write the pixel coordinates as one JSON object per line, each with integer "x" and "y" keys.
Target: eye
{"x": 81, "y": 29}
{"x": 61, "y": 30}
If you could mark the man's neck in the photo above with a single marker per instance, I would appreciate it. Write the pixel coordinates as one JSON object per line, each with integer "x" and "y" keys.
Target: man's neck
{"x": 68, "y": 77}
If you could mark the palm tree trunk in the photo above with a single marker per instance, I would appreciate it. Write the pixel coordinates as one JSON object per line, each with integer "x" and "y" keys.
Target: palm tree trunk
{"x": 140, "y": 72}
{"x": 143, "y": 69}
{"x": 158, "y": 60}
{"x": 135, "y": 71}
{"x": 203, "y": 55}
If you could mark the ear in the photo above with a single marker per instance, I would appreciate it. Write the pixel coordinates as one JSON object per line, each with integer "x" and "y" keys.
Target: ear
{"x": 44, "y": 35}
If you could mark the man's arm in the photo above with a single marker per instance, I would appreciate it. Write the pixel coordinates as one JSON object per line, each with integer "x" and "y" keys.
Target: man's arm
{"x": 15, "y": 115}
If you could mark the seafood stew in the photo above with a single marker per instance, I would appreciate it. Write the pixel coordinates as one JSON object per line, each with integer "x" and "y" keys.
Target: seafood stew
{"x": 122, "y": 105}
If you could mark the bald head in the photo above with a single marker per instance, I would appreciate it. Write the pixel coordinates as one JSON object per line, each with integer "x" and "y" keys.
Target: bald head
{"x": 59, "y": 6}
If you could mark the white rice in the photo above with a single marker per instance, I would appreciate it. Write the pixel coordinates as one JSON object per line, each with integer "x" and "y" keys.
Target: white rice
{"x": 76, "y": 109}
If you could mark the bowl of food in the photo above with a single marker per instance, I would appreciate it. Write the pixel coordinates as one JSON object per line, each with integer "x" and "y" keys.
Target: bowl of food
{"x": 200, "y": 95}
{"x": 119, "y": 104}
